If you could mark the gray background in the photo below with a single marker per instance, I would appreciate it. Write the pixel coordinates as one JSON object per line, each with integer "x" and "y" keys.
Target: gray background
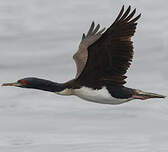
{"x": 38, "y": 38}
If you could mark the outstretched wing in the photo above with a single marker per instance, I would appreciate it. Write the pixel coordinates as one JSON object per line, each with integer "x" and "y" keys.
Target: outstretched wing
{"x": 81, "y": 55}
{"x": 110, "y": 56}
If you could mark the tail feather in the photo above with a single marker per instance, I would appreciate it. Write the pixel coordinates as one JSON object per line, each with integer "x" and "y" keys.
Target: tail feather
{"x": 146, "y": 95}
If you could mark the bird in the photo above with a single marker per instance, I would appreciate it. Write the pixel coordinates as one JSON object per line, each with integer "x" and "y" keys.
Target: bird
{"x": 102, "y": 60}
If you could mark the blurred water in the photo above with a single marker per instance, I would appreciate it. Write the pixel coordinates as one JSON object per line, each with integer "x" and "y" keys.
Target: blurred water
{"x": 38, "y": 38}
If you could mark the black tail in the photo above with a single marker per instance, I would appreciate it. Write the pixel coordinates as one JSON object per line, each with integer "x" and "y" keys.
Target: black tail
{"x": 146, "y": 95}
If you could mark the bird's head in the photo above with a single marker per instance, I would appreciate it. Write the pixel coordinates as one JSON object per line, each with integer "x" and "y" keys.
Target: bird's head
{"x": 36, "y": 83}
{"x": 23, "y": 83}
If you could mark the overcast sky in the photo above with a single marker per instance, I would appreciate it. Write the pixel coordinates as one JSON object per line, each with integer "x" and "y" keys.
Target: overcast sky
{"x": 38, "y": 38}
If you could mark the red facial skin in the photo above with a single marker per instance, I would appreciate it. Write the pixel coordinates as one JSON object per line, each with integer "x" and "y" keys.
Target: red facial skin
{"x": 24, "y": 82}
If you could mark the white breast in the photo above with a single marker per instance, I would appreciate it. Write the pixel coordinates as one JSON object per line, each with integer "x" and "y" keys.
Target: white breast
{"x": 98, "y": 96}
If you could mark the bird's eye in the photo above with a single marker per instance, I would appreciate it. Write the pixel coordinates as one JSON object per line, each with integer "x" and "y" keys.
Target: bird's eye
{"x": 23, "y": 82}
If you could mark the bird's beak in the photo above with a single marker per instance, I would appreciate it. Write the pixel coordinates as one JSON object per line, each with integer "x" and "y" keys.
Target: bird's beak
{"x": 16, "y": 84}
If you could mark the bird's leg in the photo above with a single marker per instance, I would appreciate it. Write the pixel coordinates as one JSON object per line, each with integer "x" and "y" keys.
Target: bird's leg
{"x": 139, "y": 97}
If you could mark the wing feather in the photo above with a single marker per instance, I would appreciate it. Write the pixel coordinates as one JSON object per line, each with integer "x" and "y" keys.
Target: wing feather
{"x": 81, "y": 55}
{"x": 91, "y": 28}
{"x": 119, "y": 15}
{"x": 96, "y": 29}
{"x": 110, "y": 56}
{"x": 125, "y": 14}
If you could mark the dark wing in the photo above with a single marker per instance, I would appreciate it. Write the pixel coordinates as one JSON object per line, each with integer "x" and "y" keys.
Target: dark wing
{"x": 110, "y": 56}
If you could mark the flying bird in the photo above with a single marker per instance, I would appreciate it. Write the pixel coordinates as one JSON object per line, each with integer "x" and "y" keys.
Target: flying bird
{"x": 102, "y": 61}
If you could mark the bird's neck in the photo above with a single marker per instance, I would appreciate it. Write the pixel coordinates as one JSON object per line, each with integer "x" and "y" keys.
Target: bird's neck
{"x": 50, "y": 86}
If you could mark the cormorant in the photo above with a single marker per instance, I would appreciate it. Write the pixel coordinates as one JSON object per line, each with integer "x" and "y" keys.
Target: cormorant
{"x": 102, "y": 61}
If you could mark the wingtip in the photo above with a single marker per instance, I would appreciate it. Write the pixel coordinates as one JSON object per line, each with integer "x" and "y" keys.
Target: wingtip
{"x": 140, "y": 15}
{"x": 123, "y": 7}
{"x": 92, "y": 24}
{"x": 128, "y": 9}
{"x": 134, "y": 10}
{"x": 83, "y": 36}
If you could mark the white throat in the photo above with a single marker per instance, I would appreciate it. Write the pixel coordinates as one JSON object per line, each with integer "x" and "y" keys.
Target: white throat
{"x": 65, "y": 92}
